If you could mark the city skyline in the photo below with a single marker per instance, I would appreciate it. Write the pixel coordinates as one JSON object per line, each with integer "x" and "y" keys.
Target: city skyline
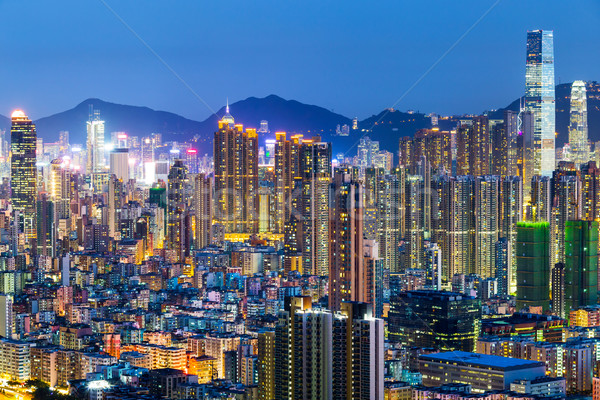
{"x": 392, "y": 64}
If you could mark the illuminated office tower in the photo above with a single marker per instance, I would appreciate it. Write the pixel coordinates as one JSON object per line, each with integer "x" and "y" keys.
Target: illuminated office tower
{"x": 578, "y": 128}
{"x": 95, "y": 143}
{"x": 539, "y": 98}
{"x": 203, "y": 204}
{"x": 581, "y": 264}
{"x": 236, "y": 176}
{"x": 177, "y": 235}
{"x": 590, "y": 191}
{"x": 540, "y": 207}
{"x": 446, "y": 320}
{"x": 533, "y": 264}
{"x": 60, "y": 188}
{"x": 346, "y": 272}
{"x": 315, "y": 170}
{"x": 191, "y": 161}
{"x": 487, "y": 212}
{"x": 511, "y": 204}
{"x": 119, "y": 164}
{"x": 23, "y": 173}
{"x": 287, "y": 169}
{"x": 366, "y": 153}
{"x": 567, "y": 207}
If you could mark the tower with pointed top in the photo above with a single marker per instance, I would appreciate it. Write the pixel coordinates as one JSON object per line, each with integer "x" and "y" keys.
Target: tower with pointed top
{"x": 236, "y": 176}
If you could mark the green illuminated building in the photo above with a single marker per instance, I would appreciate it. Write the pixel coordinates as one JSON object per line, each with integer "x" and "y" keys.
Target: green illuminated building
{"x": 533, "y": 264}
{"x": 581, "y": 264}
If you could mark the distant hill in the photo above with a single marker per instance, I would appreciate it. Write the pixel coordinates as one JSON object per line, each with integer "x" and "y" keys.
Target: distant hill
{"x": 563, "y": 107}
{"x": 137, "y": 121}
{"x": 284, "y": 115}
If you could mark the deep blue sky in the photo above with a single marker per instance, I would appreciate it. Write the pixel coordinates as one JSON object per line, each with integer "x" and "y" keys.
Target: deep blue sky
{"x": 355, "y": 57}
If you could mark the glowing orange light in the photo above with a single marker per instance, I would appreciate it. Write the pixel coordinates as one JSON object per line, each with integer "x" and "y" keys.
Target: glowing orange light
{"x": 18, "y": 114}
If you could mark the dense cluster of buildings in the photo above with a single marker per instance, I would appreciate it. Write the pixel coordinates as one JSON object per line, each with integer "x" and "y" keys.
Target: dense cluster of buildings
{"x": 132, "y": 268}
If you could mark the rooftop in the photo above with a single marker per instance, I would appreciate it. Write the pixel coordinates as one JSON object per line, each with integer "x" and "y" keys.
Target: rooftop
{"x": 482, "y": 360}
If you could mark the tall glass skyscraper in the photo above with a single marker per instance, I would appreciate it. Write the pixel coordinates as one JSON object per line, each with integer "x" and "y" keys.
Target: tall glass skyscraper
{"x": 23, "y": 174}
{"x": 578, "y": 128}
{"x": 539, "y": 98}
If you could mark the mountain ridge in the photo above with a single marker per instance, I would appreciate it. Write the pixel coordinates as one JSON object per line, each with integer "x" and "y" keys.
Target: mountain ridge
{"x": 291, "y": 116}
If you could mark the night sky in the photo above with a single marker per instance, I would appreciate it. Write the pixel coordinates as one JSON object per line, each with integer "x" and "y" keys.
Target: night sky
{"x": 354, "y": 57}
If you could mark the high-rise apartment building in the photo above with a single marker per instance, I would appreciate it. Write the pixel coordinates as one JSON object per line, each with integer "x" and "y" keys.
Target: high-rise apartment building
{"x": 316, "y": 353}
{"x": 487, "y": 211}
{"x": 539, "y": 98}
{"x": 315, "y": 170}
{"x": 177, "y": 212}
{"x": 203, "y": 210}
{"x": 236, "y": 176}
{"x": 346, "y": 273}
{"x": 23, "y": 173}
{"x": 581, "y": 264}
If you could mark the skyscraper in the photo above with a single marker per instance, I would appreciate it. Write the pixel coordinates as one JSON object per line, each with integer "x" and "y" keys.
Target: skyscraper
{"x": 346, "y": 270}
{"x": 23, "y": 173}
{"x": 236, "y": 176}
{"x": 539, "y": 98}
{"x": 119, "y": 164}
{"x": 487, "y": 210}
{"x": 316, "y": 353}
{"x": 533, "y": 264}
{"x": 95, "y": 143}
{"x": 46, "y": 226}
{"x": 177, "y": 233}
{"x": 578, "y": 128}
{"x": 203, "y": 198}
{"x": 315, "y": 167}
